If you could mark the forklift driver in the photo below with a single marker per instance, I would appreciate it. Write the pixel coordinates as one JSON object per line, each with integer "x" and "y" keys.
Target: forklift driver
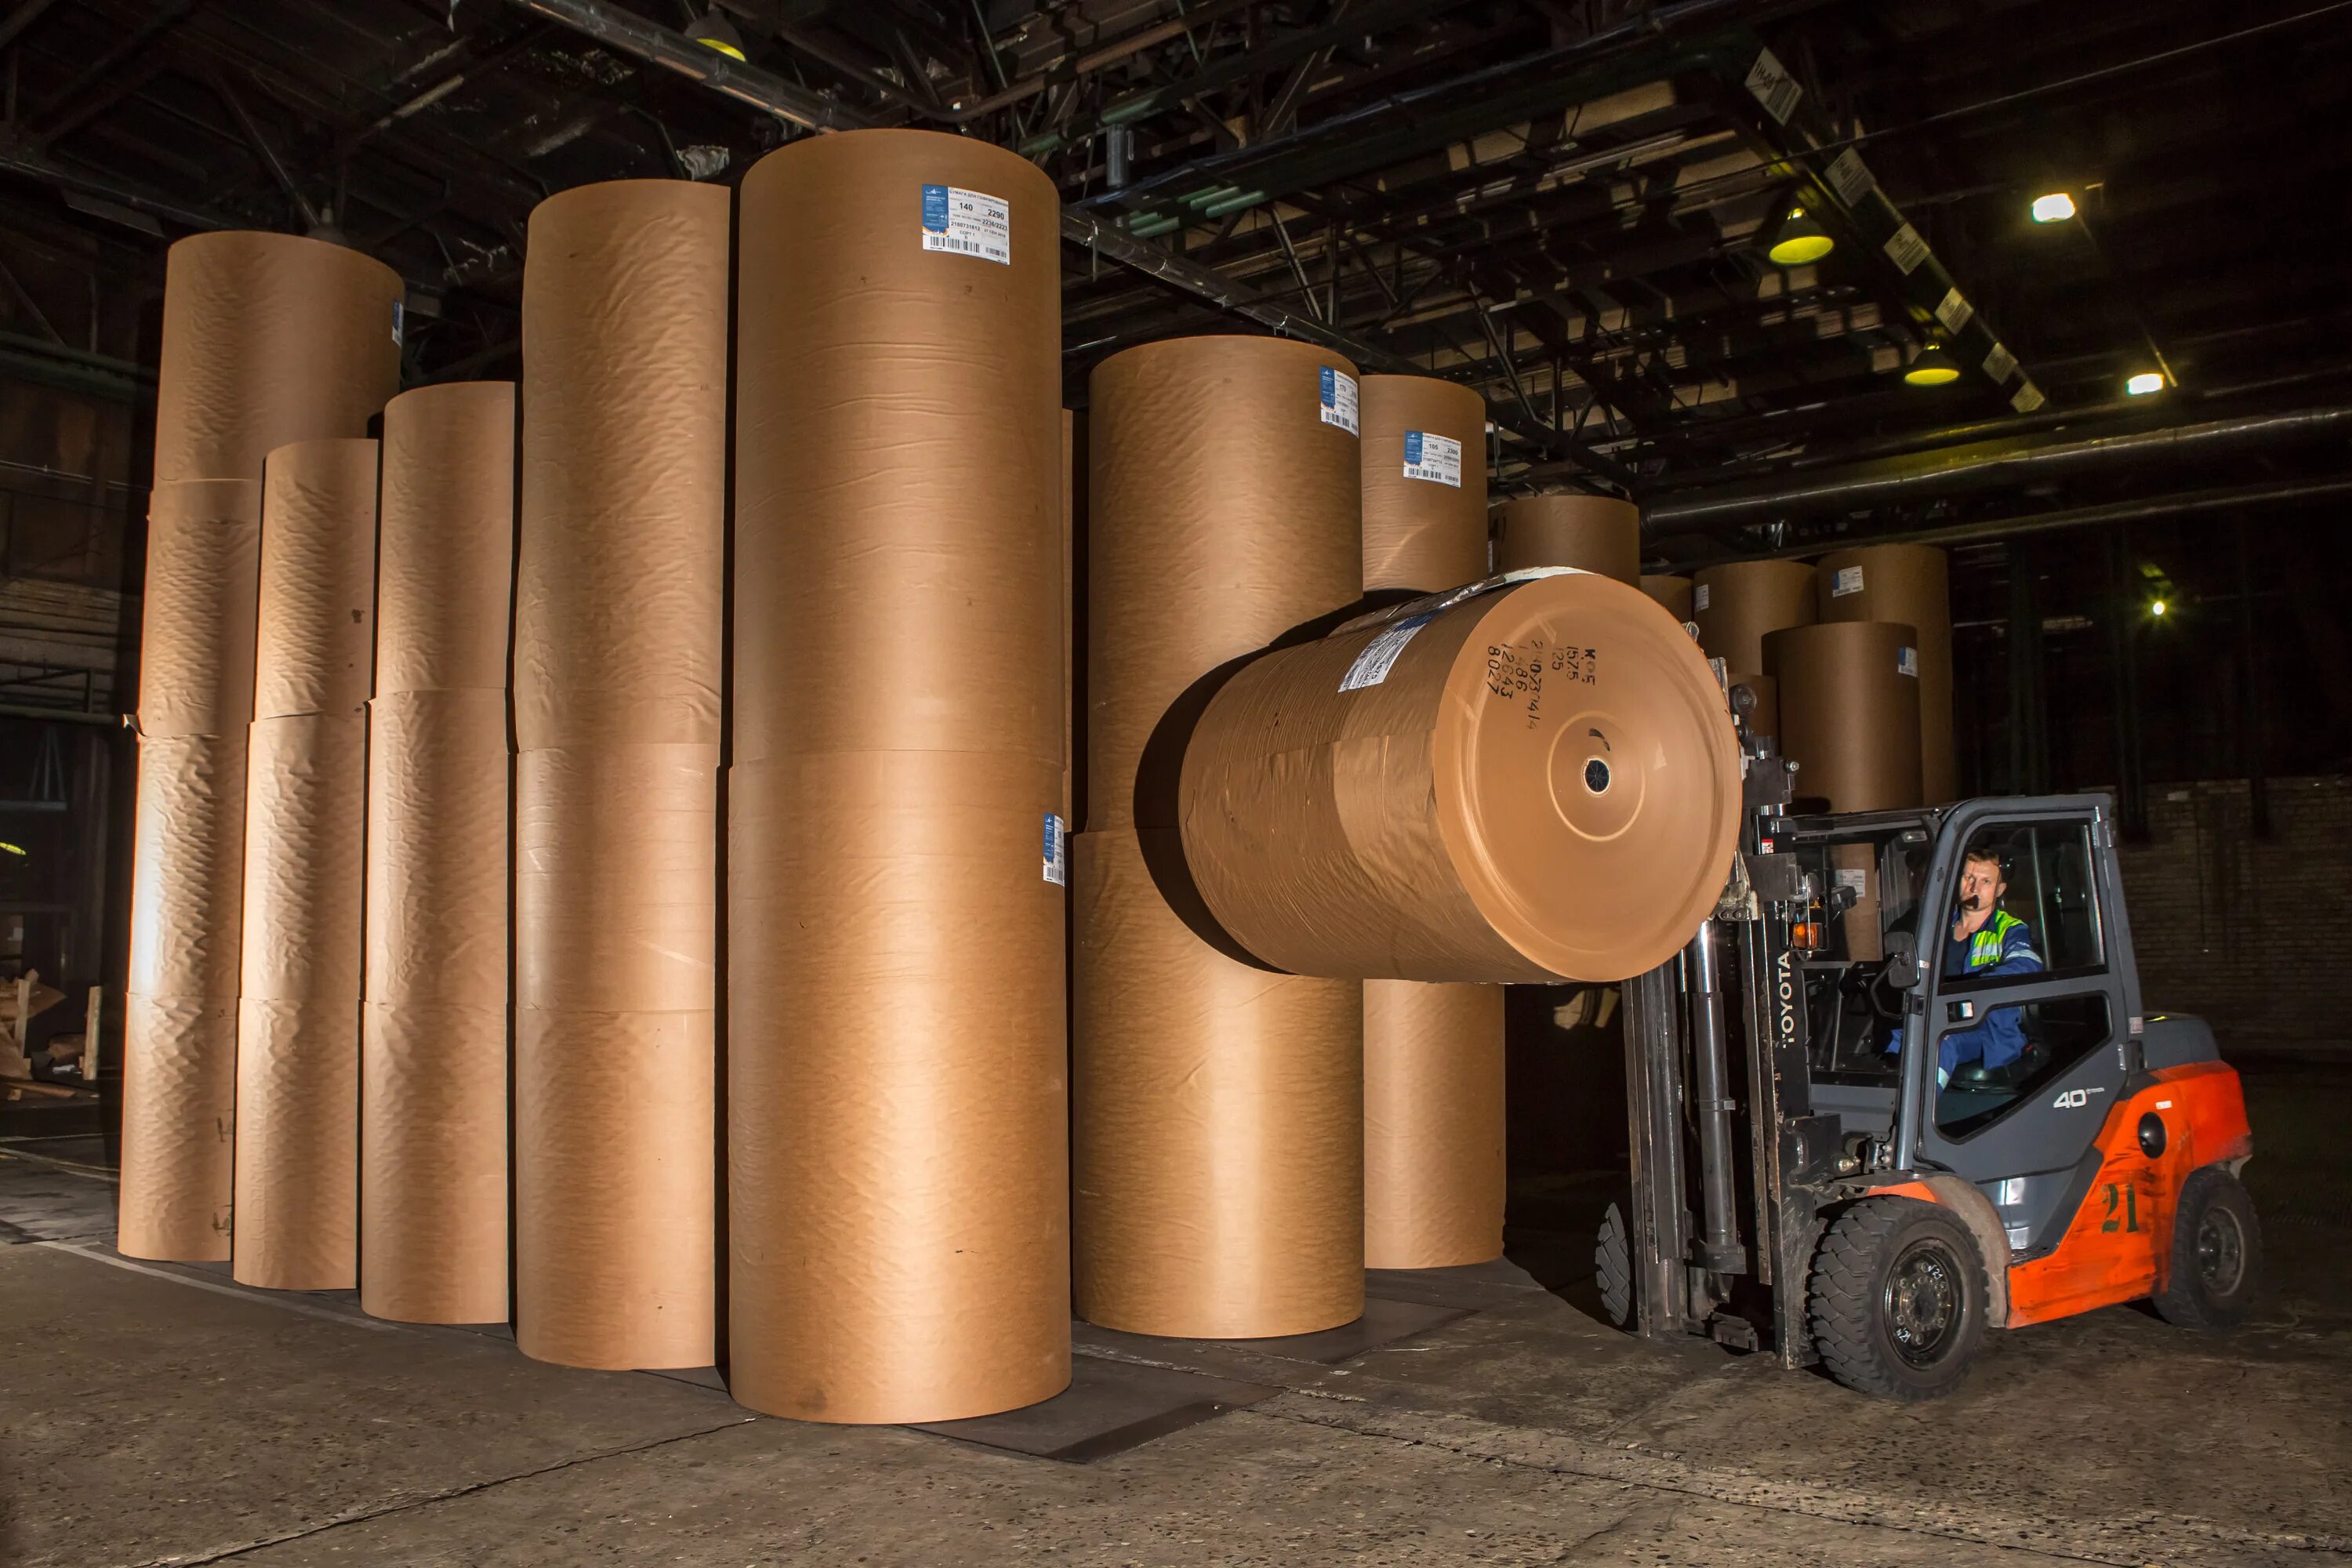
{"x": 1985, "y": 940}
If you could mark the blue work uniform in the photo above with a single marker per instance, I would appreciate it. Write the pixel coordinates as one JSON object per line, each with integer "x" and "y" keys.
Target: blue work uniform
{"x": 2002, "y": 945}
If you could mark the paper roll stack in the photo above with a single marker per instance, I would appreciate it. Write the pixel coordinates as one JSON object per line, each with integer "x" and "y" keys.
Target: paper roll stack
{"x": 1736, "y": 604}
{"x": 1218, "y": 1128}
{"x": 1849, "y": 701}
{"x": 1432, "y": 1053}
{"x": 433, "y": 1131}
{"x": 268, "y": 339}
{"x": 617, "y": 654}
{"x": 297, "y": 1046}
{"x": 1909, "y": 584}
{"x": 1591, "y": 533}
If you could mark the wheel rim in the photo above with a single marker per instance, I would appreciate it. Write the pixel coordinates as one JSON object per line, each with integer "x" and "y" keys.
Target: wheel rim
{"x": 1922, "y": 1304}
{"x": 2220, "y": 1251}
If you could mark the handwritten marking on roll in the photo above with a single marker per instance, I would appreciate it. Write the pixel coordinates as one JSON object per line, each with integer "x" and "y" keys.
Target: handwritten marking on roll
{"x": 1435, "y": 458}
{"x": 1340, "y": 399}
{"x": 967, "y": 223}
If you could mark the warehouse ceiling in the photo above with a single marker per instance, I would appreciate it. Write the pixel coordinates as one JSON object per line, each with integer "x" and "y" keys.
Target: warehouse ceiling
{"x": 1565, "y": 204}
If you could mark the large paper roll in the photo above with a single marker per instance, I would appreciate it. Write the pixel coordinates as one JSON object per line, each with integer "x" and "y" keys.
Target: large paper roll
{"x": 305, "y": 849}
{"x": 1219, "y": 1145}
{"x": 1671, "y": 591}
{"x": 1909, "y": 584}
{"x": 617, "y": 874}
{"x": 1736, "y": 604}
{"x": 447, "y": 565}
{"x": 1218, "y": 1126}
{"x": 269, "y": 338}
{"x": 1434, "y": 1179}
{"x": 315, "y": 640}
{"x": 897, "y": 530}
{"x": 1591, "y": 533}
{"x": 1424, "y": 475}
{"x": 1224, "y": 513}
{"x": 618, "y": 607}
{"x": 614, "y": 1145}
{"x": 898, "y": 1144}
{"x": 436, "y": 850}
{"x": 195, "y": 647}
{"x": 1538, "y": 782}
{"x": 1850, "y": 711}
{"x": 898, "y": 1120}
{"x": 1433, "y": 1134}
{"x": 433, "y": 1162}
{"x": 179, "y": 1126}
{"x": 187, "y": 874}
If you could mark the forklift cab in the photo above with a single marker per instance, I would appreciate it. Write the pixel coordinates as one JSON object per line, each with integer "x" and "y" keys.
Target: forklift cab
{"x": 1924, "y": 1143}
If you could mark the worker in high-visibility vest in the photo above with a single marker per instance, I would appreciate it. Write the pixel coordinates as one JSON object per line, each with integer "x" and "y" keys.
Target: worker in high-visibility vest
{"x": 1985, "y": 939}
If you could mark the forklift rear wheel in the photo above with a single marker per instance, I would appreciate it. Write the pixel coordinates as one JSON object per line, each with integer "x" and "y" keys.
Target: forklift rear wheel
{"x": 1612, "y": 1268}
{"x": 2217, "y": 1254}
{"x": 1899, "y": 1299}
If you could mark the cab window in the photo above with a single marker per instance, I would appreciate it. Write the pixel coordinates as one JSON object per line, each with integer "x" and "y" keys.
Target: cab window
{"x": 2026, "y": 891}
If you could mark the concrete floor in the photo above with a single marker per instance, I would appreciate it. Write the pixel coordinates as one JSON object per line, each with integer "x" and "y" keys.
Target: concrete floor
{"x": 154, "y": 1415}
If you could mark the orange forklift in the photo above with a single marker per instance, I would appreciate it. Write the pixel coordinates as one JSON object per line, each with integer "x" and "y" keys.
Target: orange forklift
{"x": 1849, "y": 1204}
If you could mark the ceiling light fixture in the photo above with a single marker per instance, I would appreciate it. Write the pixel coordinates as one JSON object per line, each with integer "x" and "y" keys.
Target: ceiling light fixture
{"x": 2143, "y": 383}
{"x": 713, "y": 31}
{"x": 1933, "y": 367}
{"x": 2056, "y": 207}
{"x": 1801, "y": 240}
{"x": 2156, "y": 608}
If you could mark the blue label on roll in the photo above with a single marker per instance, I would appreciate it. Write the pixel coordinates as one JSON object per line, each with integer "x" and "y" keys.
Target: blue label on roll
{"x": 935, "y": 208}
{"x": 1330, "y": 387}
{"x": 1413, "y": 447}
{"x": 1057, "y": 840}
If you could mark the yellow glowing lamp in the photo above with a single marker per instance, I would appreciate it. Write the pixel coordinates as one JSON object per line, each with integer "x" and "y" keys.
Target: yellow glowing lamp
{"x": 11, "y": 848}
{"x": 1934, "y": 367}
{"x": 1801, "y": 240}
{"x": 2143, "y": 383}
{"x": 2156, "y": 608}
{"x": 2056, "y": 207}
{"x": 713, "y": 31}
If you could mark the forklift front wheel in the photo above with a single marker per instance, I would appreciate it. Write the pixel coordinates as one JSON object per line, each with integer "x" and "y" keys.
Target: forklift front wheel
{"x": 1612, "y": 1268}
{"x": 1898, "y": 1300}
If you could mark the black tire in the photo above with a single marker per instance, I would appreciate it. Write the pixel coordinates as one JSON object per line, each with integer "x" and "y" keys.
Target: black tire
{"x": 1612, "y": 1268}
{"x": 1898, "y": 1299}
{"x": 2217, "y": 1254}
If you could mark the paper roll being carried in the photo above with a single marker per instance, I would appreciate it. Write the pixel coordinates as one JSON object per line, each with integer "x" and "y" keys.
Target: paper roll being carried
{"x": 1528, "y": 779}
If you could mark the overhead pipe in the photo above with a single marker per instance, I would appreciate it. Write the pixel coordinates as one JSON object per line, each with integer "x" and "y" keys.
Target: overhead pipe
{"x": 632, "y": 33}
{"x": 1985, "y": 466}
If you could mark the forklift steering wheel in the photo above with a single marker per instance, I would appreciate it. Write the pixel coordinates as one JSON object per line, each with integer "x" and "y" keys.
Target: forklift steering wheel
{"x": 1885, "y": 1001}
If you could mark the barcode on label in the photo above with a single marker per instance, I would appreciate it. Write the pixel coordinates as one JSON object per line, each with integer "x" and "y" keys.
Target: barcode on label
{"x": 967, "y": 223}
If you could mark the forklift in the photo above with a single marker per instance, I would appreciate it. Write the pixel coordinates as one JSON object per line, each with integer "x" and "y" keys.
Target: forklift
{"x": 1861, "y": 1202}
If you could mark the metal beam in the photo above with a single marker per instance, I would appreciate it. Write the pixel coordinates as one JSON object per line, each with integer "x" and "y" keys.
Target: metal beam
{"x": 634, "y": 35}
{"x": 22, "y": 17}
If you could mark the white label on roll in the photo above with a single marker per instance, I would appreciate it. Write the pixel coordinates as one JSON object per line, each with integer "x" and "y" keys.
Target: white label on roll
{"x": 1699, "y": 597}
{"x": 1340, "y": 399}
{"x": 1057, "y": 851}
{"x": 1431, "y": 457}
{"x": 1907, "y": 661}
{"x": 1847, "y": 581}
{"x": 969, "y": 223}
{"x": 1379, "y": 655}
{"x": 1859, "y": 881}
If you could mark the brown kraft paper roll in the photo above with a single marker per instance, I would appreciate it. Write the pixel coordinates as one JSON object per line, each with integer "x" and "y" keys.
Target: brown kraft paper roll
{"x": 1430, "y": 1051}
{"x": 898, "y": 1144}
{"x": 446, "y": 569}
{"x": 1737, "y": 603}
{"x": 187, "y": 876}
{"x": 1224, "y": 513}
{"x": 1539, "y": 782}
{"x": 1766, "y": 719}
{"x": 618, "y": 605}
{"x": 1424, "y": 522}
{"x": 1219, "y": 1145}
{"x": 1671, "y": 591}
{"x": 433, "y": 1162}
{"x": 197, "y": 625}
{"x": 1433, "y": 1124}
{"x": 1909, "y": 584}
{"x": 437, "y": 852}
{"x": 298, "y": 1019}
{"x": 315, "y": 643}
{"x": 614, "y": 1201}
{"x": 179, "y": 1126}
{"x": 897, "y": 520}
{"x": 1850, "y": 713}
{"x": 1591, "y": 533}
{"x": 269, "y": 338}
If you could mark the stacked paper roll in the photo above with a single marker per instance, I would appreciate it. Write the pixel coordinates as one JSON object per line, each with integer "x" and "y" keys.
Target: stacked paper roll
{"x": 618, "y": 651}
{"x": 268, "y": 339}
{"x": 1849, "y": 714}
{"x": 433, "y": 1131}
{"x": 1538, "y": 782}
{"x": 1671, "y": 591}
{"x": 1432, "y": 1053}
{"x": 1591, "y": 533}
{"x": 1737, "y": 604}
{"x": 1218, "y": 1126}
{"x": 297, "y": 1046}
{"x": 1909, "y": 584}
{"x": 897, "y": 1148}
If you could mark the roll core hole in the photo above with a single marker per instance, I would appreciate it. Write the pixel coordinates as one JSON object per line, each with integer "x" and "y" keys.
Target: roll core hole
{"x": 1596, "y": 775}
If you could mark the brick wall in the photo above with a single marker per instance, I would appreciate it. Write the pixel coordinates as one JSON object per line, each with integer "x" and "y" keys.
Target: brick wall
{"x": 2255, "y": 936}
